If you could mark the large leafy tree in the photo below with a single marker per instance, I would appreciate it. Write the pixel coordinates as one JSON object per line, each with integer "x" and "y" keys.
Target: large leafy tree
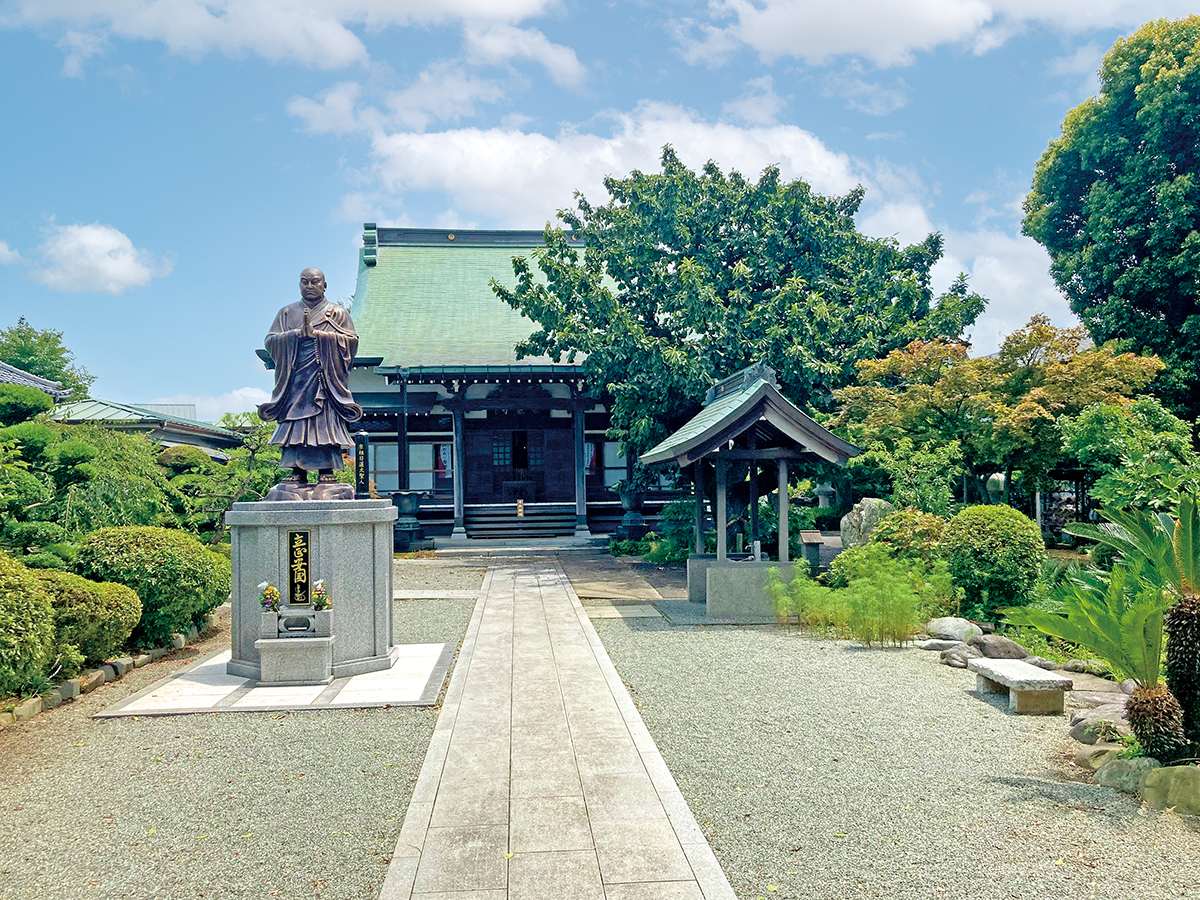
{"x": 1002, "y": 410}
{"x": 43, "y": 353}
{"x": 1116, "y": 202}
{"x": 684, "y": 277}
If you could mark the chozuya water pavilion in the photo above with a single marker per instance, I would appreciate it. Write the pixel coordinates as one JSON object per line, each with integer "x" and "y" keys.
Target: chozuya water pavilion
{"x": 745, "y": 419}
{"x": 449, "y": 408}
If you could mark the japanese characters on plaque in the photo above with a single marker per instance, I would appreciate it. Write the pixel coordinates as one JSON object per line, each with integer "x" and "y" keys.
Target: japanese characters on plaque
{"x": 298, "y": 569}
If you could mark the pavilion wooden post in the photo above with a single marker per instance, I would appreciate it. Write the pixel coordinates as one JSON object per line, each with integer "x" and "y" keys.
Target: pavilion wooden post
{"x": 721, "y": 513}
{"x": 783, "y": 511}
{"x": 753, "y": 445}
{"x": 698, "y": 487}
{"x": 460, "y": 530}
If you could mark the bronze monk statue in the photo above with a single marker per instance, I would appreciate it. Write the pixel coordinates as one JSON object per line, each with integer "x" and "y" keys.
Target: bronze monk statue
{"x": 312, "y": 343}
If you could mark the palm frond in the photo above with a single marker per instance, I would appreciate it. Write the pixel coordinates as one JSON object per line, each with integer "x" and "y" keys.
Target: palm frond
{"x": 1117, "y": 616}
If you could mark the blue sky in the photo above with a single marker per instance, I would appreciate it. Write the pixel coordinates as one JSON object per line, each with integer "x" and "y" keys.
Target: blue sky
{"x": 169, "y": 166}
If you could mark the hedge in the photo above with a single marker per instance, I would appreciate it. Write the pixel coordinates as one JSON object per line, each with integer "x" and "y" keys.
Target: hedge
{"x": 26, "y": 625}
{"x": 994, "y": 554}
{"x": 176, "y": 578}
{"x": 97, "y": 618}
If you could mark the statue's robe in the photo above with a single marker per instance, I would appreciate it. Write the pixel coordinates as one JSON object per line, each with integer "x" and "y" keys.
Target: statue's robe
{"x": 312, "y": 401}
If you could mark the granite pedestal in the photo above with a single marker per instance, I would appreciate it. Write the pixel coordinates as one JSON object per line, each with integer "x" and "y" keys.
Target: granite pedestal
{"x": 350, "y": 549}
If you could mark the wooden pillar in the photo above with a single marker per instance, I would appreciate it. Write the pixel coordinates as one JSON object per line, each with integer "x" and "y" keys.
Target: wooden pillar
{"x": 753, "y": 444}
{"x": 783, "y": 511}
{"x": 581, "y": 525}
{"x": 460, "y": 531}
{"x": 753, "y": 501}
{"x": 402, "y": 440}
{"x": 698, "y": 489}
{"x": 722, "y": 516}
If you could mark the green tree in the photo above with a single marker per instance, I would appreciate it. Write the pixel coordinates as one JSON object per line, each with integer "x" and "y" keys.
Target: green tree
{"x": 208, "y": 489}
{"x": 1001, "y": 410}
{"x": 1116, "y": 202}
{"x": 683, "y": 278}
{"x": 42, "y": 353}
{"x": 1140, "y": 454}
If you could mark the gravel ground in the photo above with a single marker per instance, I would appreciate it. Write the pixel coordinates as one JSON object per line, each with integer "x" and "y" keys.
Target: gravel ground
{"x": 823, "y": 770}
{"x": 300, "y": 804}
{"x": 436, "y": 575}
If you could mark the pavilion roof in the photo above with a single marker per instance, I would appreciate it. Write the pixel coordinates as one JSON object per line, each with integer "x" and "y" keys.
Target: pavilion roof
{"x": 424, "y": 299}
{"x": 13, "y": 375}
{"x": 745, "y": 404}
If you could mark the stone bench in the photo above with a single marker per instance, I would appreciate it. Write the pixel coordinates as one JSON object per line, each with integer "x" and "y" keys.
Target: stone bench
{"x": 1031, "y": 691}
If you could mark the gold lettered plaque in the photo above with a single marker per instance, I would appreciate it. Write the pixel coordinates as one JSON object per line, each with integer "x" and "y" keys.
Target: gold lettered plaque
{"x": 298, "y": 569}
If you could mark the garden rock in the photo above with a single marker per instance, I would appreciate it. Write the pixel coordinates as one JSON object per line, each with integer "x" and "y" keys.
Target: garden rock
{"x": 25, "y": 711}
{"x": 1177, "y": 786}
{"x": 995, "y": 646}
{"x": 1114, "y": 711}
{"x": 1128, "y": 685}
{"x": 858, "y": 524}
{"x": 89, "y": 681}
{"x": 51, "y": 700}
{"x": 1042, "y": 663}
{"x": 938, "y": 644}
{"x": 69, "y": 689}
{"x": 1092, "y": 699}
{"x": 958, "y": 655}
{"x": 1096, "y": 755}
{"x": 1100, "y": 724}
{"x": 1125, "y": 774}
{"x": 952, "y": 628}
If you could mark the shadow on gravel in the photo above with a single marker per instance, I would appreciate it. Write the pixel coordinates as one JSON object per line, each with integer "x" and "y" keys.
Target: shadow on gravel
{"x": 1098, "y": 803}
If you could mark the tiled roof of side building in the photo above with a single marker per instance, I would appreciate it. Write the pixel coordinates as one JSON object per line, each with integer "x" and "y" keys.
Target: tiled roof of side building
{"x": 424, "y": 298}
{"x": 110, "y": 411}
{"x": 13, "y": 375}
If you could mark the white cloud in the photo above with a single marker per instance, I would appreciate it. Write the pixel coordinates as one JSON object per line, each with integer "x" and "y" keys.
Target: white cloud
{"x": 210, "y": 408}
{"x": 8, "y": 255}
{"x": 442, "y": 92}
{"x": 500, "y": 43}
{"x": 518, "y": 179}
{"x": 758, "y": 104}
{"x": 318, "y": 33}
{"x": 78, "y": 47}
{"x": 1012, "y": 271}
{"x": 890, "y": 32}
{"x": 95, "y": 258}
{"x": 871, "y": 97}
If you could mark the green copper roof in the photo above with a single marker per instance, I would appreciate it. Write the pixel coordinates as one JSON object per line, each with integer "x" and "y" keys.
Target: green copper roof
{"x": 423, "y": 298}
{"x": 110, "y": 411}
{"x": 737, "y": 405}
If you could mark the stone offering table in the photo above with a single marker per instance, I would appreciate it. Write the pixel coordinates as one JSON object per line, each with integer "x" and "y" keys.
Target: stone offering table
{"x": 348, "y": 545}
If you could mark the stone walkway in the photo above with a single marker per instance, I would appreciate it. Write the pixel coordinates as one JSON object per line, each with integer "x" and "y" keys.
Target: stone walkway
{"x": 541, "y": 781}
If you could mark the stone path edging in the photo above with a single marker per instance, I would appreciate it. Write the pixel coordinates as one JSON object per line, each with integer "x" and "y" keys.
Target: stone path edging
{"x": 491, "y": 820}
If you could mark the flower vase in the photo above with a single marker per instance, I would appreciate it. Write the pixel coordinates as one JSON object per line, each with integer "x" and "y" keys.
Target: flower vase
{"x": 270, "y": 624}
{"x": 324, "y": 622}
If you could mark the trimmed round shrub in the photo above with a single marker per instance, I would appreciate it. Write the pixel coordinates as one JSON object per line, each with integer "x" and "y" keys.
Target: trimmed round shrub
{"x": 177, "y": 580}
{"x": 19, "y": 402}
{"x": 26, "y": 625}
{"x": 184, "y": 458}
{"x": 97, "y": 618}
{"x": 911, "y": 535}
{"x": 994, "y": 554}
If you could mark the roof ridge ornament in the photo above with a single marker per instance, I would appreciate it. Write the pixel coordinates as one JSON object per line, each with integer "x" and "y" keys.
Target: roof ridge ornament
{"x": 370, "y": 244}
{"x": 741, "y": 380}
